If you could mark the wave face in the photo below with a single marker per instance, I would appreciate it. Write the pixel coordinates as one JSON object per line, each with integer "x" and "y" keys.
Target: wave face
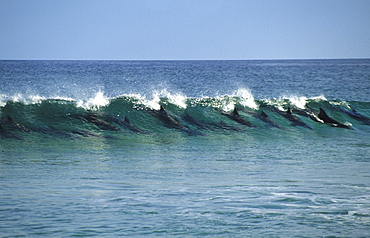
{"x": 122, "y": 98}
{"x": 127, "y": 115}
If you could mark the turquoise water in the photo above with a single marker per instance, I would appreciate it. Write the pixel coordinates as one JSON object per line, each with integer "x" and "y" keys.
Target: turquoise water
{"x": 86, "y": 150}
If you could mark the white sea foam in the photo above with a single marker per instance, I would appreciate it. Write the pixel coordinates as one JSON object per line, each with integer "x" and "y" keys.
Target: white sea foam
{"x": 154, "y": 101}
{"x": 174, "y": 98}
{"x": 64, "y": 98}
{"x": 278, "y": 103}
{"x": 299, "y": 102}
{"x": 2, "y": 100}
{"x": 228, "y": 106}
{"x": 16, "y": 97}
{"x": 99, "y": 100}
{"x": 226, "y": 102}
{"x": 319, "y": 98}
{"x": 33, "y": 99}
{"x": 177, "y": 99}
{"x": 246, "y": 98}
{"x": 341, "y": 103}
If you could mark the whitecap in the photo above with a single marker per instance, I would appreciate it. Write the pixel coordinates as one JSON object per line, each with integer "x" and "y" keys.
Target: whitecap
{"x": 246, "y": 98}
{"x": 299, "y": 102}
{"x": 99, "y": 100}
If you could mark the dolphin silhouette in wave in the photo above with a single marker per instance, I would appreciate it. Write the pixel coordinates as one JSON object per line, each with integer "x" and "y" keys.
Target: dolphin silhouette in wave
{"x": 330, "y": 121}
{"x": 264, "y": 117}
{"x": 97, "y": 120}
{"x": 355, "y": 115}
{"x": 295, "y": 121}
{"x": 309, "y": 112}
{"x": 170, "y": 122}
{"x": 239, "y": 119}
{"x": 167, "y": 119}
{"x": 125, "y": 123}
{"x": 210, "y": 125}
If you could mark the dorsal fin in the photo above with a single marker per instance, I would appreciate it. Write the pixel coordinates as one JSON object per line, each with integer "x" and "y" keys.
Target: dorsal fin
{"x": 289, "y": 111}
{"x": 162, "y": 109}
{"x": 235, "y": 112}
{"x": 324, "y": 116}
{"x": 264, "y": 114}
{"x": 322, "y": 113}
{"x": 127, "y": 120}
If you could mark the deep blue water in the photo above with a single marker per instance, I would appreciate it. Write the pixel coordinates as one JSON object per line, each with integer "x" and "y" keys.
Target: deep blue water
{"x": 85, "y": 149}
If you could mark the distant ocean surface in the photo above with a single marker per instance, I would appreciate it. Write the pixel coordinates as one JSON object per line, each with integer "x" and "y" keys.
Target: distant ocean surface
{"x": 276, "y": 148}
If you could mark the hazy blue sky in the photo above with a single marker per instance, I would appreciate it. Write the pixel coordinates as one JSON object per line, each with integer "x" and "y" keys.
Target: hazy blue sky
{"x": 184, "y": 29}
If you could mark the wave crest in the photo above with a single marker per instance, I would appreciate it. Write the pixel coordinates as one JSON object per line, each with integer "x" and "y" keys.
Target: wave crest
{"x": 135, "y": 113}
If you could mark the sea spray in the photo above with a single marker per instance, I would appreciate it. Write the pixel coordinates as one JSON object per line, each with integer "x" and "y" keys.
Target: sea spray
{"x": 154, "y": 101}
{"x": 177, "y": 99}
{"x": 246, "y": 98}
{"x": 299, "y": 102}
{"x": 241, "y": 96}
{"x": 27, "y": 100}
{"x": 99, "y": 100}
{"x": 2, "y": 100}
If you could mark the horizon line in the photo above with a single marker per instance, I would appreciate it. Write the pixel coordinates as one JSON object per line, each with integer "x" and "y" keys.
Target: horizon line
{"x": 262, "y": 59}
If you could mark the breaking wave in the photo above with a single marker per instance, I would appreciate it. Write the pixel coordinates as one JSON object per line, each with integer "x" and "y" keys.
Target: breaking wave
{"x": 167, "y": 112}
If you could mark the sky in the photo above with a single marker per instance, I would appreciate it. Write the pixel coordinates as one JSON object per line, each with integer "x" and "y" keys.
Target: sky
{"x": 184, "y": 29}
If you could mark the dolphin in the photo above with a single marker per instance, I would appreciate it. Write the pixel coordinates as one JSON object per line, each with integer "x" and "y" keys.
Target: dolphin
{"x": 355, "y": 115}
{"x": 167, "y": 119}
{"x": 308, "y": 112}
{"x": 295, "y": 121}
{"x": 133, "y": 128}
{"x": 170, "y": 122}
{"x": 328, "y": 120}
{"x": 8, "y": 126}
{"x": 15, "y": 124}
{"x": 239, "y": 119}
{"x": 9, "y": 135}
{"x": 264, "y": 117}
{"x": 209, "y": 125}
{"x": 191, "y": 120}
{"x": 98, "y": 121}
{"x": 125, "y": 123}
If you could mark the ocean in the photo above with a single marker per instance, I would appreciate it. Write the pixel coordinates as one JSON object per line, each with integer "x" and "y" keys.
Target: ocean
{"x": 250, "y": 148}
